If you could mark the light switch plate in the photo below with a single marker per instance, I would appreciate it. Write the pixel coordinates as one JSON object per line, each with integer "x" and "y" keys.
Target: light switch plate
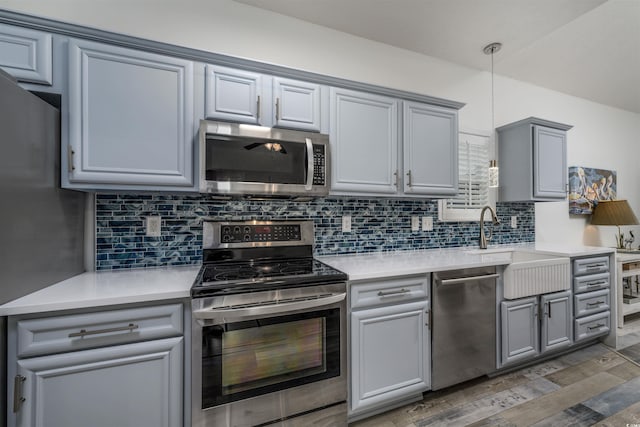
{"x": 514, "y": 221}
{"x": 427, "y": 223}
{"x": 346, "y": 223}
{"x": 415, "y": 223}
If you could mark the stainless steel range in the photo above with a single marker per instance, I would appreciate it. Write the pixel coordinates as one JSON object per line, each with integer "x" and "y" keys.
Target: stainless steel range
{"x": 268, "y": 329}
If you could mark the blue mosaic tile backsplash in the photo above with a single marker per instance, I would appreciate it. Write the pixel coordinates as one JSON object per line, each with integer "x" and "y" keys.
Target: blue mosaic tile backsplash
{"x": 377, "y": 225}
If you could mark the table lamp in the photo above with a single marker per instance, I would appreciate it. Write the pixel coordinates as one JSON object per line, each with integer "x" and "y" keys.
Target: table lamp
{"x": 614, "y": 212}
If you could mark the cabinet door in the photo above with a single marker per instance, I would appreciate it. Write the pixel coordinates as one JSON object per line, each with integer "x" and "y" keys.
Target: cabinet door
{"x": 389, "y": 354}
{"x": 549, "y": 163}
{"x": 364, "y": 142}
{"x": 557, "y": 321}
{"x": 520, "y": 336}
{"x": 430, "y": 150}
{"x": 131, "y": 119}
{"x": 233, "y": 95}
{"x": 134, "y": 385}
{"x": 26, "y": 54}
{"x": 297, "y": 104}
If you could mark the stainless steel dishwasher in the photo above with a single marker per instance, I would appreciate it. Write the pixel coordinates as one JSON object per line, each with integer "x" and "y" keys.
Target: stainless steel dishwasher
{"x": 463, "y": 325}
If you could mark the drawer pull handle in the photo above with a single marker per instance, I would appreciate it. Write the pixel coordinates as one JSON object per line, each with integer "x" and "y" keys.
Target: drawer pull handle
{"x": 83, "y": 332}
{"x": 17, "y": 392}
{"x": 387, "y": 293}
{"x": 598, "y": 326}
{"x": 596, "y": 284}
{"x": 595, "y": 303}
{"x": 592, "y": 266}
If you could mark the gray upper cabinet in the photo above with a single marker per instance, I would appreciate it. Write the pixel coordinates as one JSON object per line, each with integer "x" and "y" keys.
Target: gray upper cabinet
{"x": 233, "y": 95}
{"x": 370, "y": 157}
{"x": 364, "y": 142}
{"x": 247, "y": 97}
{"x": 26, "y": 54}
{"x": 131, "y": 119}
{"x": 297, "y": 104}
{"x": 430, "y": 150}
{"x": 533, "y": 160}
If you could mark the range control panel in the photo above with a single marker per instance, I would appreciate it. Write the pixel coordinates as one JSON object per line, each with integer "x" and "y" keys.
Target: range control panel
{"x": 248, "y": 233}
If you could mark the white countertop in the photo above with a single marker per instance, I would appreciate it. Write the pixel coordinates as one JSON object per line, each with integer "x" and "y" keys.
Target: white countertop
{"x": 388, "y": 264}
{"x": 104, "y": 288}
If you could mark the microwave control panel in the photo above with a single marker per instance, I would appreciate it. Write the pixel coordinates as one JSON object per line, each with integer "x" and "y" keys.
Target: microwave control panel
{"x": 319, "y": 163}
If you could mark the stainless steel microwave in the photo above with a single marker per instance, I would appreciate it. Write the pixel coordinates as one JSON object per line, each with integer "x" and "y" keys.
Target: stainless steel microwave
{"x": 248, "y": 160}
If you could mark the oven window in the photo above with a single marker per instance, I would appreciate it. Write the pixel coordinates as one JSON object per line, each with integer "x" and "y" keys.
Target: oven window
{"x": 245, "y": 159}
{"x": 246, "y": 359}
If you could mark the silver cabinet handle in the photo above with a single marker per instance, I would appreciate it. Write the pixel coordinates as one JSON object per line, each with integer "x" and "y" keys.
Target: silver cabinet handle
{"x": 310, "y": 165}
{"x": 593, "y": 266}
{"x": 70, "y": 154}
{"x": 468, "y": 279}
{"x": 397, "y": 292}
{"x": 595, "y": 303}
{"x": 277, "y": 109}
{"x": 409, "y": 178}
{"x": 258, "y": 108}
{"x": 83, "y": 332}
{"x": 17, "y": 392}
{"x": 598, "y": 326}
{"x": 596, "y": 283}
{"x": 395, "y": 175}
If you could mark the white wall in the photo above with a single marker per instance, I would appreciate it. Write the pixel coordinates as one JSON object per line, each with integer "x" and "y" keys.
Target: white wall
{"x": 602, "y": 137}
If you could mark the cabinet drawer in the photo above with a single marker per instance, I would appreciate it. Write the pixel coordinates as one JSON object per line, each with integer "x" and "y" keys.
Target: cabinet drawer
{"x": 592, "y": 326}
{"x": 73, "y": 332}
{"x": 389, "y": 291}
{"x": 591, "y": 303}
{"x": 590, "y": 265}
{"x": 592, "y": 282}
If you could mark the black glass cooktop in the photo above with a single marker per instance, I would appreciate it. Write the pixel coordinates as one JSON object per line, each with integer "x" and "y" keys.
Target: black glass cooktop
{"x": 232, "y": 277}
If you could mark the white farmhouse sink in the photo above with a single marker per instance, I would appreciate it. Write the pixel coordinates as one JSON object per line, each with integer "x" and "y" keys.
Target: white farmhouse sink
{"x": 533, "y": 274}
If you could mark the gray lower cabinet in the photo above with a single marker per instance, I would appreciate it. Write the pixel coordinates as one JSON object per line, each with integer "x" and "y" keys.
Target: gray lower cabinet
{"x": 592, "y": 302}
{"x": 131, "y": 120}
{"x": 533, "y": 160}
{"x": 102, "y": 369}
{"x": 389, "y": 344}
{"x": 26, "y": 54}
{"x": 535, "y": 325}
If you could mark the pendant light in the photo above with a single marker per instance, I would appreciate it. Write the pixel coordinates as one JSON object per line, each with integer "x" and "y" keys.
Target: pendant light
{"x": 494, "y": 173}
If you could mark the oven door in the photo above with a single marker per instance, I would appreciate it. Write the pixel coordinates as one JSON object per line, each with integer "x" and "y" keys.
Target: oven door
{"x": 255, "y": 370}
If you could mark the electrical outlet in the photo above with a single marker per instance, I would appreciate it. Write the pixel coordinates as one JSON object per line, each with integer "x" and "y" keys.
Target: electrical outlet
{"x": 346, "y": 223}
{"x": 154, "y": 226}
{"x": 415, "y": 223}
{"x": 427, "y": 223}
{"x": 514, "y": 221}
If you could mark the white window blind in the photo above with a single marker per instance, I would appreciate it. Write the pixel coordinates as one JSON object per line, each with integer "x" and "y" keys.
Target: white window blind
{"x": 474, "y": 150}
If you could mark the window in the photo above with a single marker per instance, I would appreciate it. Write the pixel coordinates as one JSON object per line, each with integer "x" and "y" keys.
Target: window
{"x": 474, "y": 150}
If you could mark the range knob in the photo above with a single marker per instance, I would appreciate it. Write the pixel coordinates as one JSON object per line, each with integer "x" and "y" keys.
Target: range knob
{"x": 236, "y": 230}
{"x": 247, "y": 238}
{"x": 226, "y": 237}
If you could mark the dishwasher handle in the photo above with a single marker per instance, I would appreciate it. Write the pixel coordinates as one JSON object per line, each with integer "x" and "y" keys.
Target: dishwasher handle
{"x": 459, "y": 280}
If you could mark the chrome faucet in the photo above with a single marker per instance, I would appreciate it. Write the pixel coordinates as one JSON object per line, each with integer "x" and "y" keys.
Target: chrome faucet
{"x": 494, "y": 218}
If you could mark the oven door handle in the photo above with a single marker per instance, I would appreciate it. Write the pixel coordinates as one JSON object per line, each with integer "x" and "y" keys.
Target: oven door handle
{"x": 262, "y": 310}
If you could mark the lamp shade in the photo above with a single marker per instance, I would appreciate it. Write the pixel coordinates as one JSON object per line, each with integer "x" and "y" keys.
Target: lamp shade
{"x": 613, "y": 212}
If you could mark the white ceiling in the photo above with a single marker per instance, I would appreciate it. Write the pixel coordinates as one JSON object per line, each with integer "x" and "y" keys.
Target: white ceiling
{"x": 586, "y": 48}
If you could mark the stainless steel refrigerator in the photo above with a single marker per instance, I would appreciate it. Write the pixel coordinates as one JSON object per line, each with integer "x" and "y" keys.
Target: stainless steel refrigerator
{"x": 41, "y": 225}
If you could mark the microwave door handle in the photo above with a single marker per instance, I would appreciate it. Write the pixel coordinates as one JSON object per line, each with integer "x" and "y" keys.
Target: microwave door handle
{"x": 309, "y": 183}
